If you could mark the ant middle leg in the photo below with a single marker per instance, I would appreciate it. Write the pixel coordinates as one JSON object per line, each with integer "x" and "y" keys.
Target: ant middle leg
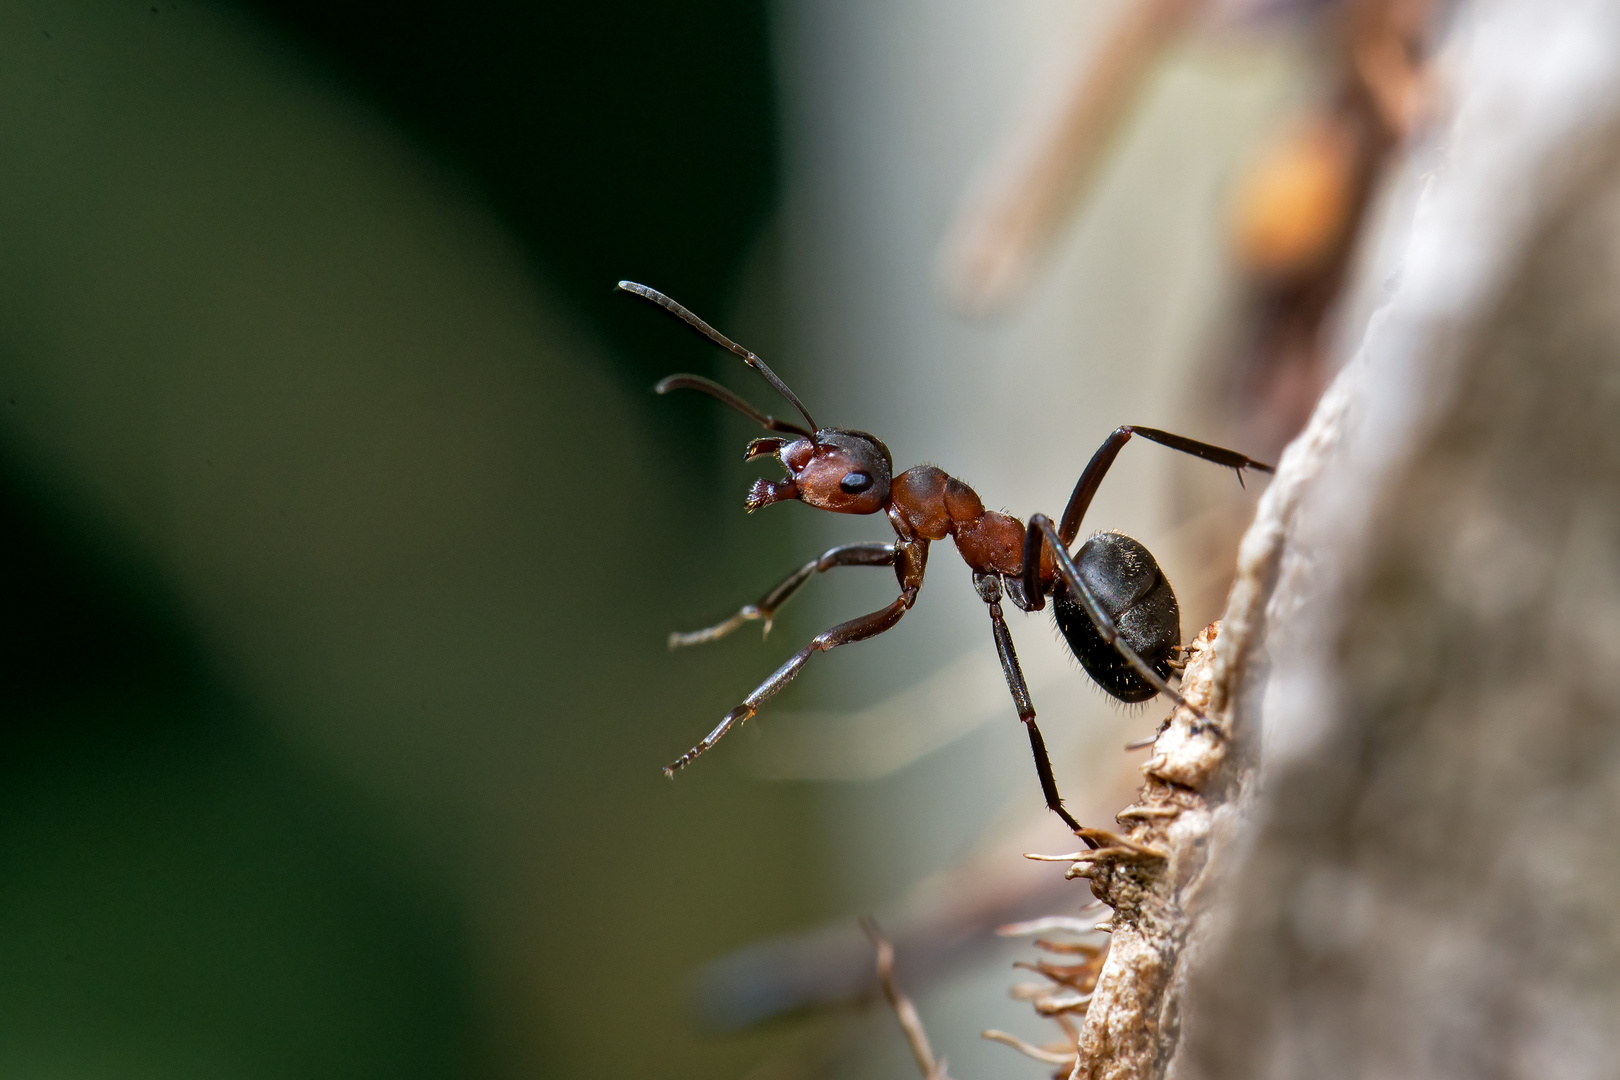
{"x": 843, "y": 634}
{"x": 1040, "y": 528}
{"x": 989, "y": 588}
{"x": 764, "y": 609}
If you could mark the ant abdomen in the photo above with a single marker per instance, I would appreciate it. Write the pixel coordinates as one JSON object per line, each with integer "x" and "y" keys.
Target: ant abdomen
{"x": 1133, "y": 591}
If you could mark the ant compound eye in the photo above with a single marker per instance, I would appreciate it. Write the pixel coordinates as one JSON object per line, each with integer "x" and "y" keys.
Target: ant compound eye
{"x": 855, "y": 483}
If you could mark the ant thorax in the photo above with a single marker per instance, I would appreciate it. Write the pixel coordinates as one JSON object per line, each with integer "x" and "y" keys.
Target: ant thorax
{"x": 935, "y": 505}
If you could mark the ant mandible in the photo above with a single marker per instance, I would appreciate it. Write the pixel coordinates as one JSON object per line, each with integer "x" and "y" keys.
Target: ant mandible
{"x": 1111, "y": 601}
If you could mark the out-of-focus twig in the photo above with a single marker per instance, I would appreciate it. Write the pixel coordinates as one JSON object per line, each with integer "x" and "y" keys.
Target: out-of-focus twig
{"x": 932, "y": 1068}
{"x": 998, "y": 236}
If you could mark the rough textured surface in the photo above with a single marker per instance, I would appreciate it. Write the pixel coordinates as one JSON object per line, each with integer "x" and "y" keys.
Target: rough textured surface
{"x": 1402, "y": 860}
{"x": 1440, "y": 868}
{"x": 1424, "y": 879}
{"x": 1151, "y": 877}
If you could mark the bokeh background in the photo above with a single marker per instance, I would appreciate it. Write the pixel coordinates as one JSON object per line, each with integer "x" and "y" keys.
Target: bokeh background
{"x": 342, "y": 533}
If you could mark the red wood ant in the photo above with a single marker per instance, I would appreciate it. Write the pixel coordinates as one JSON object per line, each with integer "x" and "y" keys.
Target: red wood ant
{"x": 1111, "y": 601}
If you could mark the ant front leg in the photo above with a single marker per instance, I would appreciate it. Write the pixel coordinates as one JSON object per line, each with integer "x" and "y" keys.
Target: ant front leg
{"x": 868, "y": 554}
{"x": 1040, "y": 527}
{"x": 855, "y": 630}
{"x": 909, "y": 556}
{"x": 989, "y": 588}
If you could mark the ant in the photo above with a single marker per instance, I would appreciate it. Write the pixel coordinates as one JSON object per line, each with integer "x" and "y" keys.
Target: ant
{"x": 1111, "y": 601}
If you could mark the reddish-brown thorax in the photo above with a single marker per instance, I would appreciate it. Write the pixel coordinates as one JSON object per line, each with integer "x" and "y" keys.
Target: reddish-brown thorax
{"x": 848, "y": 472}
{"x": 934, "y": 505}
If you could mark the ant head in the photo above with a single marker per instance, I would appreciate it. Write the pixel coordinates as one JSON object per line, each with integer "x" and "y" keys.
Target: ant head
{"x": 846, "y": 472}
{"x": 834, "y": 469}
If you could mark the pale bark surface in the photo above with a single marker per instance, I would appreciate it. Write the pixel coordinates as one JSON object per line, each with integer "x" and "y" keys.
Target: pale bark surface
{"x": 1403, "y": 857}
{"x": 1424, "y": 635}
{"x": 1433, "y": 892}
{"x": 1151, "y": 876}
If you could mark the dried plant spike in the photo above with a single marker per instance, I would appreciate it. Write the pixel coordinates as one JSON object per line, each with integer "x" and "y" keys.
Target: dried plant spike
{"x": 1132, "y": 812}
{"x": 1073, "y": 856}
{"x": 1039, "y": 1053}
{"x": 1077, "y": 976}
{"x": 1044, "y": 925}
{"x": 1079, "y": 948}
{"x": 1058, "y": 1001}
{"x": 1112, "y": 843}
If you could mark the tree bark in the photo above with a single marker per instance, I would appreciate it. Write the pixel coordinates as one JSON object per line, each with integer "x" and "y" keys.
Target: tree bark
{"x": 1424, "y": 879}
{"x": 1404, "y": 857}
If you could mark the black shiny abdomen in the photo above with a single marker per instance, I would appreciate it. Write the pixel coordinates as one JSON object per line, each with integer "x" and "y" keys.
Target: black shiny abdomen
{"x": 1131, "y": 588}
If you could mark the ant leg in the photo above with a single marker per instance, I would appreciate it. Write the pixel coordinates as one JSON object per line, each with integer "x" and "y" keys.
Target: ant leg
{"x": 1034, "y": 598}
{"x": 990, "y": 592}
{"x": 844, "y": 633}
{"x": 1097, "y": 467}
{"x": 869, "y": 554}
{"x": 1041, "y": 525}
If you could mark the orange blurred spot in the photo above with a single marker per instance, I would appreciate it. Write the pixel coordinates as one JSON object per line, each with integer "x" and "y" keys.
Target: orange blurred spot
{"x": 1292, "y": 207}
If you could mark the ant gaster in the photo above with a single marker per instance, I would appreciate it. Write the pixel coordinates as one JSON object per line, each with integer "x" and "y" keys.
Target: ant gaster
{"x": 1111, "y": 601}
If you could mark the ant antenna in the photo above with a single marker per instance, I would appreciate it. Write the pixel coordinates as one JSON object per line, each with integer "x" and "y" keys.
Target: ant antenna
{"x": 715, "y": 390}
{"x": 656, "y": 297}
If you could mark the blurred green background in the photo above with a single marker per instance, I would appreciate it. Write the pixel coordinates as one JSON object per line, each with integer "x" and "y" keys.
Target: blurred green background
{"x": 342, "y": 535}
{"x": 343, "y": 532}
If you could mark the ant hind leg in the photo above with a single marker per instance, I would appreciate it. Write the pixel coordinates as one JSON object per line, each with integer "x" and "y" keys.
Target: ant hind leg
{"x": 1098, "y": 466}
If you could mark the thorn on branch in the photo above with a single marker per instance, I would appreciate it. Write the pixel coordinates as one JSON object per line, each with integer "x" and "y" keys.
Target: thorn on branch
{"x": 1047, "y": 924}
{"x": 1063, "y": 1058}
{"x": 1148, "y": 812}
